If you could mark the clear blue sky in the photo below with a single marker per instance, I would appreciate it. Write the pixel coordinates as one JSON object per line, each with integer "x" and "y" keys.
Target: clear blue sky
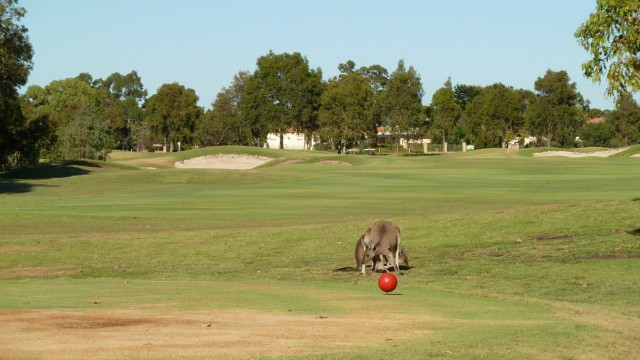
{"x": 202, "y": 44}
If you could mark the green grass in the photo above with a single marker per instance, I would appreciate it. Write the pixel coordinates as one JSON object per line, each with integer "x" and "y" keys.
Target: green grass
{"x": 516, "y": 256}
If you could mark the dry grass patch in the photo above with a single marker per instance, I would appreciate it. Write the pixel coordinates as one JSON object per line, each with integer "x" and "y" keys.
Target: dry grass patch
{"x": 19, "y": 249}
{"x": 334, "y": 162}
{"x": 215, "y": 333}
{"x": 37, "y": 272}
{"x": 290, "y": 162}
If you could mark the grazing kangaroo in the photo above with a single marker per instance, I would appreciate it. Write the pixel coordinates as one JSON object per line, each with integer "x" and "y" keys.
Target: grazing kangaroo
{"x": 383, "y": 239}
{"x": 378, "y": 260}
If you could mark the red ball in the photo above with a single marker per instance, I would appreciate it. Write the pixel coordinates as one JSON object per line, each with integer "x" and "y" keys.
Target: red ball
{"x": 387, "y": 282}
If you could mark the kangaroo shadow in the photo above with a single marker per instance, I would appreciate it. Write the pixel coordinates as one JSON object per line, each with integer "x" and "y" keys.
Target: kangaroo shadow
{"x": 635, "y": 232}
{"x": 354, "y": 269}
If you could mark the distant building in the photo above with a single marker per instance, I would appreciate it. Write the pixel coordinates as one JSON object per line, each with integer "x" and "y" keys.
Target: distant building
{"x": 291, "y": 140}
{"x": 595, "y": 120}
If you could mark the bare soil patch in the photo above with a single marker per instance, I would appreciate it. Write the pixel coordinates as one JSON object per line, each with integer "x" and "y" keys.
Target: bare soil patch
{"x": 223, "y": 161}
{"x": 216, "y": 333}
{"x": 290, "y": 162}
{"x": 602, "y": 256}
{"x": 20, "y": 249}
{"x": 36, "y": 272}
{"x": 554, "y": 237}
{"x": 334, "y": 162}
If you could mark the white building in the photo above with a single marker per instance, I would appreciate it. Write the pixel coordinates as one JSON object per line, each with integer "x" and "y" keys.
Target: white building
{"x": 290, "y": 141}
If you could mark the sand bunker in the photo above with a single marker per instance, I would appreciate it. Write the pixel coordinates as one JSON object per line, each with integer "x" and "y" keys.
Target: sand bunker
{"x": 223, "y": 161}
{"x": 574, "y": 154}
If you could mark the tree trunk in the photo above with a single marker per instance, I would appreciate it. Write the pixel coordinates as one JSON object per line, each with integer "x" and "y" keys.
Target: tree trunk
{"x": 444, "y": 141}
{"x": 281, "y": 140}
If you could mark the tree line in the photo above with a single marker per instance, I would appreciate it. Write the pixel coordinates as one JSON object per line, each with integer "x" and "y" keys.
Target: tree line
{"x": 86, "y": 118}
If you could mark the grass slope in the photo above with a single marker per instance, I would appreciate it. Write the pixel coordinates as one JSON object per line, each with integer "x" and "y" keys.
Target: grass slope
{"x": 511, "y": 256}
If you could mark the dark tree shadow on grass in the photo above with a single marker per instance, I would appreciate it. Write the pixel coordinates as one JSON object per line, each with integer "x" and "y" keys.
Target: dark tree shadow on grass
{"x": 12, "y": 182}
{"x": 10, "y": 186}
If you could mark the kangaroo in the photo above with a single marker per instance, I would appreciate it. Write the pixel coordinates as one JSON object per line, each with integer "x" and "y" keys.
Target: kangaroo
{"x": 383, "y": 239}
{"x": 378, "y": 260}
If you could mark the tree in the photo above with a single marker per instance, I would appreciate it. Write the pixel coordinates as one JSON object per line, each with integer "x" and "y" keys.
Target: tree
{"x": 41, "y": 131}
{"x": 346, "y": 112}
{"x": 172, "y": 113}
{"x": 402, "y": 101}
{"x": 494, "y": 116}
{"x": 465, "y": 93}
{"x": 64, "y": 97}
{"x": 223, "y": 124}
{"x": 347, "y": 68}
{"x": 597, "y": 134}
{"x": 593, "y": 113}
{"x": 445, "y": 112}
{"x": 282, "y": 94}
{"x": 18, "y": 140}
{"x": 378, "y": 78}
{"x": 625, "y": 120}
{"x": 121, "y": 97}
{"x": 611, "y": 35}
{"x": 85, "y": 136}
{"x": 557, "y": 113}
{"x": 55, "y": 106}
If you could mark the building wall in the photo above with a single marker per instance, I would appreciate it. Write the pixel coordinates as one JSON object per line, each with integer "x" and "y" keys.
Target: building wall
{"x": 291, "y": 141}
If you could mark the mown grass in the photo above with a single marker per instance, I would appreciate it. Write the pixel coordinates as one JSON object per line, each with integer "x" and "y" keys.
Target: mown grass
{"x": 516, "y": 256}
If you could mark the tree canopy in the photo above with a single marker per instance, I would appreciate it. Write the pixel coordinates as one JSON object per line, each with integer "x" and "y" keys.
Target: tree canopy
{"x": 223, "y": 124}
{"x": 557, "y": 114}
{"x": 17, "y": 134}
{"x": 282, "y": 94}
{"x": 172, "y": 113}
{"x": 611, "y": 35}
{"x": 445, "y": 111}
{"x": 625, "y": 121}
{"x": 402, "y": 100}
{"x": 494, "y": 116}
{"x": 121, "y": 97}
{"x": 346, "y": 113}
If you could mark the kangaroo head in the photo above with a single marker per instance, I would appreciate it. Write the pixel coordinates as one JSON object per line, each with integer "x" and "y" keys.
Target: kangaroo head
{"x": 402, "y": 257}
{"x": 369, "y": 253}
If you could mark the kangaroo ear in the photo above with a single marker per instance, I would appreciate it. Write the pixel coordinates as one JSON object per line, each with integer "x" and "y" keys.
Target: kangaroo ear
{"x": 403, "y": 251}
{"x": 370, "y": 245}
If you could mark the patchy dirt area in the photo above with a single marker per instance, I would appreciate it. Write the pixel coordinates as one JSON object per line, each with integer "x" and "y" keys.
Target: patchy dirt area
{"x": 290, "y": 162}
{"x": 27, "y": 272}
{"x": 217, "y": 333}
{"x": 223, "y": 161}
{"x": 334, "y": 162}
{"x": 574, "y": 154}
{"x": 19, "y": 249}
